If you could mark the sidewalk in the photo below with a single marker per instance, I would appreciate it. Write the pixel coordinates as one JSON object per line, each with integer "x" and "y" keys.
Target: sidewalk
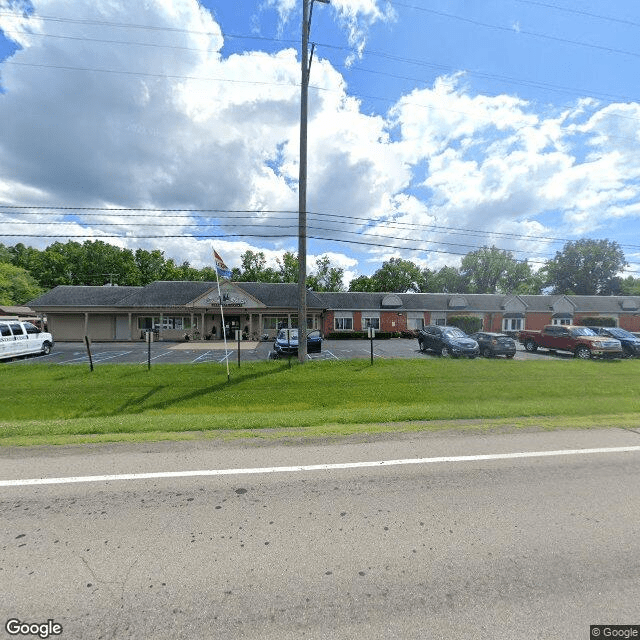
{"x": 215, "y": 345}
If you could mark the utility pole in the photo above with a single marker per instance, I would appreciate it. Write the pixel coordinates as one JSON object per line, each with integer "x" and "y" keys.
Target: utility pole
{"x": 306, "y": 59}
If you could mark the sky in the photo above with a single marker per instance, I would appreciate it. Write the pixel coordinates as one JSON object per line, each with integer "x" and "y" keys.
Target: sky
{"x": 434, "y": 128}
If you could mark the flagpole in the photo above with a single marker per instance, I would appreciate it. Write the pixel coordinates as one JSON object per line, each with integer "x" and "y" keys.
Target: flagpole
{"x": 224, "y": 333}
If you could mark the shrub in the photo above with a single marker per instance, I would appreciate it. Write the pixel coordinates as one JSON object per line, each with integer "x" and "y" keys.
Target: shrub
{"x": 598, "y": 321}
{"x": 469, "y": 324}
{"x": 346, "y": 335}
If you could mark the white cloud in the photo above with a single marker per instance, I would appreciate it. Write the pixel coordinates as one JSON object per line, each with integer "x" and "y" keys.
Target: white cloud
{"x": 184, "y": 126}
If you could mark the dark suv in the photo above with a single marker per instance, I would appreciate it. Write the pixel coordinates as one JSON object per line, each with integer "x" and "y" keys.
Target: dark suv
{"x": 494, "y": 344}
{"x": 630, "y": 343}
{"x": 447, "y": 341}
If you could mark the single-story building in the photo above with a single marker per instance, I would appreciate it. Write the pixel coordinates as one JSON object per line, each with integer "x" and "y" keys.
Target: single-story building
{"x": 175, "y": 309}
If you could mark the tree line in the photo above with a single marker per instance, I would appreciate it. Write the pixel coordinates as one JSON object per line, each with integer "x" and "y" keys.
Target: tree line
{"x": 583, "y": 267}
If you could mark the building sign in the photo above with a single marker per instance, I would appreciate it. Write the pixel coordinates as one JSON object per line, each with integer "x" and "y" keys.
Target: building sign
{"x": 230, "y": 297}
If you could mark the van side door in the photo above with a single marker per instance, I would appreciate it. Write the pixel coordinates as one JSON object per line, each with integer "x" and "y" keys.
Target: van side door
{"x": 7, "y": 341}
{"x": 21, "y": 344}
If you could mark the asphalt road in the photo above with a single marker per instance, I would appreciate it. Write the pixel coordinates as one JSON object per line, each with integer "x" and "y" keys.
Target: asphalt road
{"x": 532, "y": 547}
{"x": 207, "y": 351}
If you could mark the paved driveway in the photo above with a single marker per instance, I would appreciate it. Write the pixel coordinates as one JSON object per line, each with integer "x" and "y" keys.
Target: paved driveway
{"x": 214, "y": 351}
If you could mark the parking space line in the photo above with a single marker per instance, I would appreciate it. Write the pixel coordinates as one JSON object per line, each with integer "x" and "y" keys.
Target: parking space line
{"x": 202, "y": 356}
{"x": 332, "y": 355}
{"x": 227, "y": 356}
{"x": 101, "y": 357}
{"x": 160, "y": 355}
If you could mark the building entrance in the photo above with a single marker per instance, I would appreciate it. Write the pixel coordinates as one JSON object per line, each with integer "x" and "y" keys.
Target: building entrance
{"x": 231, "y": 324}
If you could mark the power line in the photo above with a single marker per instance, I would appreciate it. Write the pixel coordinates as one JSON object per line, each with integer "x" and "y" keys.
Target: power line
{"x": 534, "y": 34}
{"x": 341, "y": 219}
{"x": 580, "y": 12}
{"x": 504, "y": 79}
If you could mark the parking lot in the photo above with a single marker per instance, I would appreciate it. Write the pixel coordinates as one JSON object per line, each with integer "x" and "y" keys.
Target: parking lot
{"x": 69, "y": 353}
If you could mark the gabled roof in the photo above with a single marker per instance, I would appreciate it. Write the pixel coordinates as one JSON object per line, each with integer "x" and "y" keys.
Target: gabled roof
{"x": 603, "y": 304}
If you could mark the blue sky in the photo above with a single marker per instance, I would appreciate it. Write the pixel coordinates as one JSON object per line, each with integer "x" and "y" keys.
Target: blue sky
{"x": 434, "y": 127}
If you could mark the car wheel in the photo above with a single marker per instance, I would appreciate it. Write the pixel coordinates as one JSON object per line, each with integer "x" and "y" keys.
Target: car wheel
{"x": 46, "y": 348}
{"x": 530, "y": 346}
{"x": 486, "y": 352}
{"x": 444, "y": 352}
{"x": 583, "y": 353}
{"x": 510, "y": 356}
{"x": 273, "y": 355}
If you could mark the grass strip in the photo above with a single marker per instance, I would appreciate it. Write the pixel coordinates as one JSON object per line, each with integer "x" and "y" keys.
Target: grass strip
{"x": 48, "y": 404}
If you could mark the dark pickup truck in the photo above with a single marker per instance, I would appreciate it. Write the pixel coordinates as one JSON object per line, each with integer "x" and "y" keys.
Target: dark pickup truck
{"x": 581, "y": 341}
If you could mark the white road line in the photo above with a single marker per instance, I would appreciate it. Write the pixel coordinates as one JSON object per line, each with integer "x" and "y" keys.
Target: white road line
{"x": 332, "y": 355}
{"x": 312, "y": 467}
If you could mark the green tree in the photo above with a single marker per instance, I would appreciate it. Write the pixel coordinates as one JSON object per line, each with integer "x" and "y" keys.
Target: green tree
{"x": 17, "y": 286}
{"x": 25, "y": 257}
{"x": 449, "y": 280}
{"x": 288, "y": 267}
{"x": 362, "y": 283}
{"x": 491, "y": 270}
{"x": 150, "y": 266}
{"x": 586, "y": 267}
{"x": 398, "y": 276}
{"x": 630, "y": 286}
{"x": 5, "y": 254}
{"x": 326, "y": 277}
{"x": 254, "y": 268}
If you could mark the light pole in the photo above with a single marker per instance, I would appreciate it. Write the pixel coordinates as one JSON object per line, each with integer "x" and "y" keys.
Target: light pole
{"x": 306, "y": 60}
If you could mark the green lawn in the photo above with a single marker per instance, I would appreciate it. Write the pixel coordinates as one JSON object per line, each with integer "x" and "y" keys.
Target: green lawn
{"x": 55, "y": 404}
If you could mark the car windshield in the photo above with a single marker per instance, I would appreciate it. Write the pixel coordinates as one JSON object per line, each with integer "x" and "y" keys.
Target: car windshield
{"x": 455, "y": 333}
{"x": 293, "y": 334}
{"x": 620, "y": 333}
{"x": 582, "y": 331}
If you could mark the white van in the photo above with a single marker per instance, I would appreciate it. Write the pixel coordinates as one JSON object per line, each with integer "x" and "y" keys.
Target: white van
{"x": 22, "y": 338}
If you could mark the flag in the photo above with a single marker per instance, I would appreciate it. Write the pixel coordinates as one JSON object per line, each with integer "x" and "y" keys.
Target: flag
{"x": 221, "y": 268}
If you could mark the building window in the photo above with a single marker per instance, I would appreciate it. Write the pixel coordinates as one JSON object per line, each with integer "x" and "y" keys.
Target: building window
{"x": 441, "y": 322}
{"x": 274, "y": 322}
{"x": 343, "y": 324}
{"x": 562, "y": 321}
{"x": 181, "y": 323}
{"x": 415, "y": 323}
{"x": 512, "y": 324}
{"x": 369, "y": 321}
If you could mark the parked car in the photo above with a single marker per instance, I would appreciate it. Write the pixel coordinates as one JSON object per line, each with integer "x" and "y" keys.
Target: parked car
{"x": 580, "y": 341}
{"x": 23, "y": 338}
{"x": 494, "y": 344}
{"x": 286, "y": 343}
{"x": 447, "y": 341}
{"x": 630, "y": 343}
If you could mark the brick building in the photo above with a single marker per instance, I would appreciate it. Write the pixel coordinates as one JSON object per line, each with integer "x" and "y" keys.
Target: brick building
{"x": 173, "y": 309}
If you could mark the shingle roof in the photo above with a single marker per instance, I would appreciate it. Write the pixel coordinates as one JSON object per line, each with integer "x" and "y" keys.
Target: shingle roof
{"x": 166, "y": 294}
{"x": 279, "y": 294}
{"x": 71, "y": 296}
{"x": 285, "y": 295}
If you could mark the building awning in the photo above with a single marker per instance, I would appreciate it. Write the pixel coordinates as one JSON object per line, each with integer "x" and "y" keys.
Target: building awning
{"x": 564, "y": 314}
{"x": 513, "y": 314}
